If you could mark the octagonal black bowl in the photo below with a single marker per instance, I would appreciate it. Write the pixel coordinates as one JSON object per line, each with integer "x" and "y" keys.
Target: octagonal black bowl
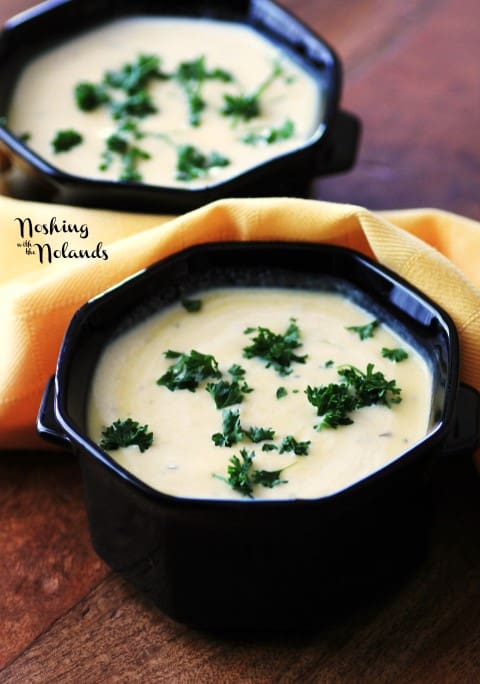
{"x": 261, "y": 563}
{"x": 331, "y": 148}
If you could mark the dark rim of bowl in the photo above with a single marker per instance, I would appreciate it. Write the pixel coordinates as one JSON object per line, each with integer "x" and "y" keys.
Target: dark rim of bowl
{"x": 81, "y": 441}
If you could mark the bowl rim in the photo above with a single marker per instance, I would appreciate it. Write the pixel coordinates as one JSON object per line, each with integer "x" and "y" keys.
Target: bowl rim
{"x": 80, "y": 440}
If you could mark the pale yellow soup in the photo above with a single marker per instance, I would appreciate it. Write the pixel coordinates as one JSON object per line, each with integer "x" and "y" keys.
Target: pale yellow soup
{"x": 43, "y": 101}
{"x": 184, "y": 461}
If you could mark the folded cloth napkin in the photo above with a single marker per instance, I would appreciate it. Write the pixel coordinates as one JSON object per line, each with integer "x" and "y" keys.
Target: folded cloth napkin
{"x": 55, "y": 257}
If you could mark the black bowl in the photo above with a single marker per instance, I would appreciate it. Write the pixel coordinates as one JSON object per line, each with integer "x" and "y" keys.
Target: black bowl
{"x": 260, "y": 563}
{"x": 331, "y": 148}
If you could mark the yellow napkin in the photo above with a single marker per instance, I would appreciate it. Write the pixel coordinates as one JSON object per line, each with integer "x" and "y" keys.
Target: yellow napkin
{"x": 435, "y": 250}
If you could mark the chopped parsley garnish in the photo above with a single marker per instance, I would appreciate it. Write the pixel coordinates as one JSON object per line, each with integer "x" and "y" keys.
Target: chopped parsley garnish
{"x": 190, "y": 76}
{"x": 192, "y": 163}
{"x": 227, "y": 393}
{"x": 370, "y": 387}
{"x": 124, "y": 433}
{"x": 130, "y": 155}
{"x": 274, "y": 348}
{"x": 89, "y": 96}
{"x": 271, "y": 135}
{"x": 246, "y": 106}
{"x": 259, "y": 434}
{"x": 237, "y": 372}
{"x": 289, "y": 443}
{"x": 364, "y": 331}
{"x": 192, "y": 305}
{"x": 189, "y": 370}
{"x": 395, "y": 355}
{"x": 334, "y": 402}
{"x": 66, "y": 139}
{"x": 139, "y": 104}
{"x": 281, "y": 392}
{"x": 133, "y": 77}
{"x": 231, "y": 429}
{"x": 242, "y": 476}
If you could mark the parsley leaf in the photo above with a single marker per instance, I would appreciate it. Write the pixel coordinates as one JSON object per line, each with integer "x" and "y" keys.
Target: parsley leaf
{"x": 190, "y": 76}
{"x": 192, "y": 305}
{"x": 267, "y": 478}
{"x": 364, "y": 331}
{"x": 226, "y": 393}
{"x": 246, "y": 106}
{"x": 333, "y": 402}
{"x": 259, "y": 434}
{"x": 242, "y": 476}
{"x": 189, "y": 370}
{"x": 232, "y": 430}
{"x": 192, "y": 163}
{"x": 123, "y": 433}
{"x": 271, "y": 135}
{"x": 274, "y": 348}
{"x": 289, "y": 443}
{"x": 237, "y": 372}
{"x": 89, "y": 96}
{"x": 66, "y": 139}
{"x": 133, "y": 77}
{"x": 395, "y": 355}
{"x": 281, "y": 392}
{"x": 371, "y": 387}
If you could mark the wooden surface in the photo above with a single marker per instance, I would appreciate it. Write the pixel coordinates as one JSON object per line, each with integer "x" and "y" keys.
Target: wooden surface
{"x": 412, "y": 75}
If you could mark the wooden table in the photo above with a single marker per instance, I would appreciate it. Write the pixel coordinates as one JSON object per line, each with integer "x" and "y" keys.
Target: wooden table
{"x": 412, "y": 75}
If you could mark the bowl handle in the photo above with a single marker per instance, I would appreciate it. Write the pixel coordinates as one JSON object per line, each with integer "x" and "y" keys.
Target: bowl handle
{"x": 47, "y": 423}
{"x": 342, "y": 145}
{"x": 464, "y": 436}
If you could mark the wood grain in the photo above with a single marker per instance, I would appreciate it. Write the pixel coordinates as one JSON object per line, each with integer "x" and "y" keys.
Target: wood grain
{"x": 411, "y": 73}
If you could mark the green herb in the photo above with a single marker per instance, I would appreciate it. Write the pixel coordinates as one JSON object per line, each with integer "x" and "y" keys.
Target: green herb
{"x": 237, "y": 372}
{"x": 189, "y": 370}
{"x": 333, "y": 402}
{"x": 65, "y": 140}
{"x": 329, "y": 363}
{"x": 124, "y": 433}
{"x": 192, "y": 305}
{"x": 246, "y": 106}
{"x": 190, "y": 76}
{"x": 25, "y": 137}
{"x": 269, "y": 447}
{"x": 274, "y": 348}
{"x": 122, "y": 144}
{"x": 395, "y": 355}
{"x": 133, "y": 77}
{"x": 231, "y": 429}
{"x": 289, "y": 443}
{"x": 364, "y": 331}
{"x": 139, "y": 104}
{"x": 227, "y": 393}
{"x": 281, "y": 392}
{"x": 370, "y": 387}
{"x": 242, "y": 476}
{"x": 271, "y": 135}
{"x": 192, "y": 163}
{"x": 259, "y": 434}
{"x": 89, "y": 96}
{"x": 267, "y": 478}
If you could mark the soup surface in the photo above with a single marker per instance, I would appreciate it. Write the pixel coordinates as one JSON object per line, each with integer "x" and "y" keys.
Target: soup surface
{"x": 270, "y": 441}
{"x": 167, "y": 101}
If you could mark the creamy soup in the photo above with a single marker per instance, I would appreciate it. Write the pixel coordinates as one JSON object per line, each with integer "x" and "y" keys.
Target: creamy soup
{"x": 303, "y": 455}
{"x": 167, "y": 101}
